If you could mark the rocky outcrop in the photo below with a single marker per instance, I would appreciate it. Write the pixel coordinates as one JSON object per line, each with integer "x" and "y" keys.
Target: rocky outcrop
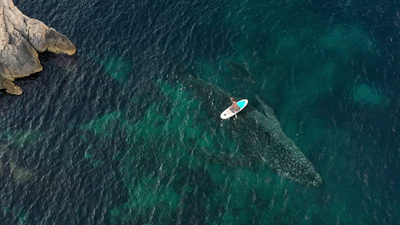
{"x": 21, "y": 38}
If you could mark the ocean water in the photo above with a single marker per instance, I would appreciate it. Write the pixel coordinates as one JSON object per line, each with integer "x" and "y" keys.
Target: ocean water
{"x": 112, "y": 136}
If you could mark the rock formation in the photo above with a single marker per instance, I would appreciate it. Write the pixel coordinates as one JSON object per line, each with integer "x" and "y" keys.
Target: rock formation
{"x": 21, "y": 38}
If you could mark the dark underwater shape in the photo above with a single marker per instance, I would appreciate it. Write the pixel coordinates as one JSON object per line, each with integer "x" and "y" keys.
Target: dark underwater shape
{"x": 259, "y": 136}
{"x": 240, "y": 71}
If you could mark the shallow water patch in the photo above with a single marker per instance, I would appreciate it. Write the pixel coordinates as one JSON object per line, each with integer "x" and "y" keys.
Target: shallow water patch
{"x": 105, "y": 124}
{"x": 345, "y": 41}
{"x": 120, "y": 69}
{"x": 369, "y": 95}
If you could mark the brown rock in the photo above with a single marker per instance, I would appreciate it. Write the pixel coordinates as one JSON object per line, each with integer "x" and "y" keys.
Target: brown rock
{"x": 21, "y": 38}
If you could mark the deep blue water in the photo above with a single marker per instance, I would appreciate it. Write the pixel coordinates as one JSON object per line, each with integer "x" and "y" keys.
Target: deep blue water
{"x": 108, "y": 136}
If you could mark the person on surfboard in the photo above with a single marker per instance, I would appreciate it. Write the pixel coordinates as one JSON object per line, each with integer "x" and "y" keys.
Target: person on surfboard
{"x": 234, "y": 106}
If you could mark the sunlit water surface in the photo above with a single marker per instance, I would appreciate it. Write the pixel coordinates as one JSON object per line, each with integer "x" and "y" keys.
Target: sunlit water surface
{"x": 111, "y": 136}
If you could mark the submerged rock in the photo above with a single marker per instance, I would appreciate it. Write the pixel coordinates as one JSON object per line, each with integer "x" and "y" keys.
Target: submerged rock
{"x": 346, "y": 40}
{"x": 21, "y": 38}
{"x": 364, "y": 94}
{"x": 20, "y": 174}
{"x": 119, "y": 69}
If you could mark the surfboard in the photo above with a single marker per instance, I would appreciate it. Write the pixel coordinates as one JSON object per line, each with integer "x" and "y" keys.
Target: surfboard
{"x": 229, "y": 112}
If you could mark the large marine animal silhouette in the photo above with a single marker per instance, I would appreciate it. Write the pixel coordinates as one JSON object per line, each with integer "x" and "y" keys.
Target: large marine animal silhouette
{"x": 258, "y": 135}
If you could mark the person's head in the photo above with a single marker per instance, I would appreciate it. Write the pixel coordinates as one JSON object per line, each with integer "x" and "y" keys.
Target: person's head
{"x": 233, "y": 100}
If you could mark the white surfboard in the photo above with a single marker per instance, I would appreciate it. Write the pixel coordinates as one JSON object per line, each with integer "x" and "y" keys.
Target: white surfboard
{"x": 229, "y": 112}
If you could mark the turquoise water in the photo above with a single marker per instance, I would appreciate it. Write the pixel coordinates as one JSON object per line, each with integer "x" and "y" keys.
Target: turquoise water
{"x": 114, "y": 135}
